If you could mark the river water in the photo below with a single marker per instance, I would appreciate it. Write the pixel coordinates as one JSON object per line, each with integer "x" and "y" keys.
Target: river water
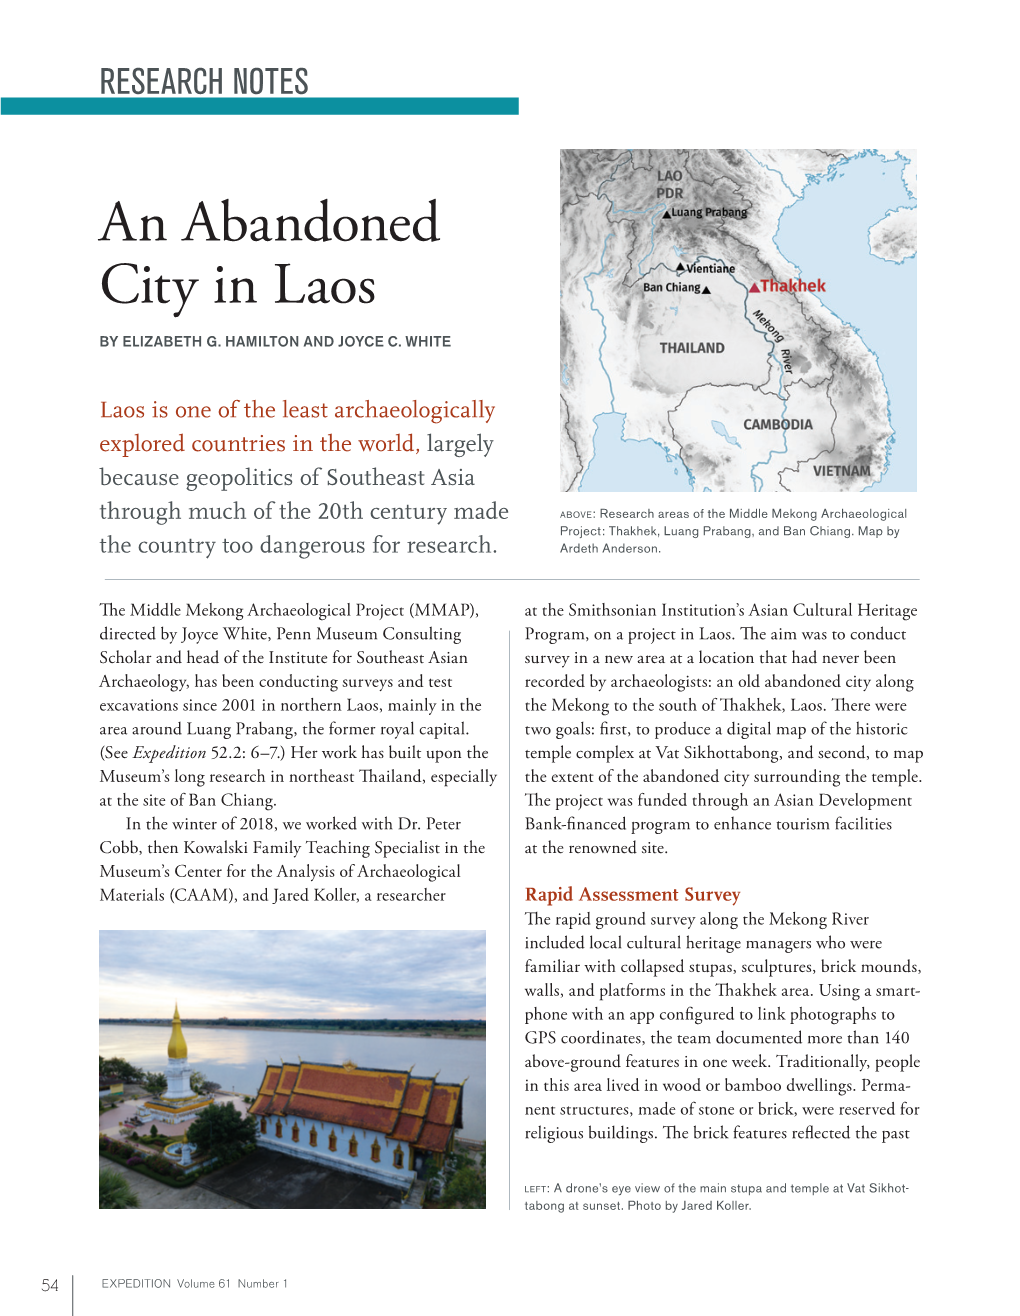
{"x": 236, "y": 1058}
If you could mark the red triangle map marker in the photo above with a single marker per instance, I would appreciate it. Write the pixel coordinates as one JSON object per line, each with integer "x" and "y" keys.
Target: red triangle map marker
{"x": 755, "y": 288}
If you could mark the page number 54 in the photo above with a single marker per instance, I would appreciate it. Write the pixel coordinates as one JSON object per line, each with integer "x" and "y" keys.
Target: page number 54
{"x": 49, "y": 1286}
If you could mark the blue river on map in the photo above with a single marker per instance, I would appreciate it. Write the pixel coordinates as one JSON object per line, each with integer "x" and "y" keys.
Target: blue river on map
{"x": 824, "y": 233}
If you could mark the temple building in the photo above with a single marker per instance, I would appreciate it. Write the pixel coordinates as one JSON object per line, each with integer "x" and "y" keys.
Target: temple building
{"x": 110, "y": 1088}
{"x": 178, "y": 1103}
{"x": 381, "y": 1123}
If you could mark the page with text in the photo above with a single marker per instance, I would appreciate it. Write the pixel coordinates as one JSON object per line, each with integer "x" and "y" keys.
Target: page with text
{"x": 473, "y": 565}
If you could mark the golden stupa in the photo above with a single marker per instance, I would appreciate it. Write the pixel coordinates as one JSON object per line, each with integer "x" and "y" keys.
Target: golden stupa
{"x": 177, "y": 1048}
{"x": 178, "y": 1102}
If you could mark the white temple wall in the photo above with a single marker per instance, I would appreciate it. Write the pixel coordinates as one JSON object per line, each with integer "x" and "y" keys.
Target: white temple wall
{"x": 383, "y": 1169}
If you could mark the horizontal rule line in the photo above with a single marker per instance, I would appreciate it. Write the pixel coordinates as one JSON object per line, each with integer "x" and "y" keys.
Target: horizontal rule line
{"x": 368, "y": 105}
{"x": 608, "y": 580}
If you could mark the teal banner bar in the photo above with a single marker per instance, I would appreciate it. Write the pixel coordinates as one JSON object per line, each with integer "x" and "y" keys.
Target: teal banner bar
{"x": 374, "y": 105}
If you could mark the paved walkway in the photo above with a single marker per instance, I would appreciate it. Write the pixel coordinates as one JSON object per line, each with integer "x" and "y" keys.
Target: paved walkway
{"x": 160, "y": 1197}
{"x": 273, "y": 1180}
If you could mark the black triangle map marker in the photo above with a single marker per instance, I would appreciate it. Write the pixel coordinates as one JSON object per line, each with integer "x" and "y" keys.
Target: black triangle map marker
{"x": 705, "y": 291}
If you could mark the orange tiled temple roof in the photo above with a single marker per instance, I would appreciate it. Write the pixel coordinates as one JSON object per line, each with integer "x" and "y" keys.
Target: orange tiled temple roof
{"x": 267, "y": 1091}
{"x": 389, "y": 1101}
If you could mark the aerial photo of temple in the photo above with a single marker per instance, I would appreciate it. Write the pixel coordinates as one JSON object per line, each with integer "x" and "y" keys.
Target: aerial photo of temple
{"x": 178, "y": 1104}
{"x": 380, "y": 1123}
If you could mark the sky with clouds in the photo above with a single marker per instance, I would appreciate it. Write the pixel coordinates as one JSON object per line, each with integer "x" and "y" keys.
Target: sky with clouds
{"x": 290, "y": 975}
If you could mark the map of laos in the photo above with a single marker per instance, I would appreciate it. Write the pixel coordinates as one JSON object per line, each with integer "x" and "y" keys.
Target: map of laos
{"x": 738, "y": 321}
